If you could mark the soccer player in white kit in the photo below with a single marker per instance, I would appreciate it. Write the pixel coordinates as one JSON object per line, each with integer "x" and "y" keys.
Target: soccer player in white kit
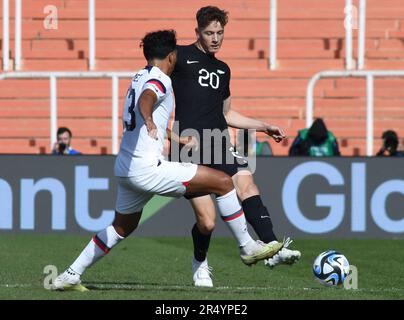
{"x": 142, "y": 171}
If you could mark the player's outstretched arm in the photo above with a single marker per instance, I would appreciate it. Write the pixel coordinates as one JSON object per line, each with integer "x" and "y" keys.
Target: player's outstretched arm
{"x": 237, "y": 120}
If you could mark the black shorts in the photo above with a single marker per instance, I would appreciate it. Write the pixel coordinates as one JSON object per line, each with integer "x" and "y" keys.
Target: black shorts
{"x": 230, "y": 163}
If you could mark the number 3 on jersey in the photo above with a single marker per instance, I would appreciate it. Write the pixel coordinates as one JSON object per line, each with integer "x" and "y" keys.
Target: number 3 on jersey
{"x": 206, "y": 79}
{"x": 130, "y": 117}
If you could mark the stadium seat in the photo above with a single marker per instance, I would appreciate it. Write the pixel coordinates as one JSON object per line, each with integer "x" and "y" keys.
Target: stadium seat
{"x": 310, "y": 39}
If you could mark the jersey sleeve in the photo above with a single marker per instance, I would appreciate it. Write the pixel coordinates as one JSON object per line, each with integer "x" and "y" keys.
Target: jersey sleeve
{"x": 159, "y": 86}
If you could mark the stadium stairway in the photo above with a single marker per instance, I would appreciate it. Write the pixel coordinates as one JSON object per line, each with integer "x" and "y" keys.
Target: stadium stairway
{"x": 310, "y": 39}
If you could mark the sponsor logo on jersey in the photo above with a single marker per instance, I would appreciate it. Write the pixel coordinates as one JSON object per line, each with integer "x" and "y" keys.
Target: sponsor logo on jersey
{"x": 220, "y": 71}
{"x": 192, "y": 61}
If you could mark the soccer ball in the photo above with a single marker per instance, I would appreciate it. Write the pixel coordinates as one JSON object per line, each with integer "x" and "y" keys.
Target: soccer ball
{"x": 331, "y": 268}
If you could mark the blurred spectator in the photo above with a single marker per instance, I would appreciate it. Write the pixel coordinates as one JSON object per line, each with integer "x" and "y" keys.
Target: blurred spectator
{"x": 64, "y": 139}
{"x": 247, "y": 140}
{"x": 390, "y": 145}
{"x": 263, "y": 148}
{"x": 316, "y": 141}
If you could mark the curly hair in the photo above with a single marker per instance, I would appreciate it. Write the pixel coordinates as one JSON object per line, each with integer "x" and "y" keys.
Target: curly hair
{"x": 158, "y": 44}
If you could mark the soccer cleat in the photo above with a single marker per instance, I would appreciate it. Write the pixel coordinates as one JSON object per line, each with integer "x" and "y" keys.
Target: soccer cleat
{"x": 202, "y": 273}
{"x": 255, "y": 251}
{"x": 284, "y": 256}
{"x": 68, "y": 281}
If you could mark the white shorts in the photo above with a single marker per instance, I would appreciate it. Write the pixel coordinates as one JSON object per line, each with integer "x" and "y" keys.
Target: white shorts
{"x": 164, "y": 178}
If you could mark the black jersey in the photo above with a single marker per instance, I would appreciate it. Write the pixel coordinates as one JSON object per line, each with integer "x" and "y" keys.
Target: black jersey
{"x": 201, "y": 83}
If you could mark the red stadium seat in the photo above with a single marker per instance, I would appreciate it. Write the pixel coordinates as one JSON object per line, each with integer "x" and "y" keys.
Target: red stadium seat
{"x": 310, "y": 39}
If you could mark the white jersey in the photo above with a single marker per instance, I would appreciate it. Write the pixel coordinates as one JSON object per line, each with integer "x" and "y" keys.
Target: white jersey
{"x": 136, "y": 143}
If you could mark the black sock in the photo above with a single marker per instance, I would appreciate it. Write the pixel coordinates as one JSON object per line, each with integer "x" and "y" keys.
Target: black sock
{"x": 258, "y": 217}
{"x": 201, "y": 243}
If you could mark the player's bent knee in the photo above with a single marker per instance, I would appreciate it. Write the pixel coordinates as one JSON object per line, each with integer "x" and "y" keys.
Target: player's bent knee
{"x": 125, "y": 224}
{"x": 207, "y": 227}
{"x": 226, "y": 183}
{"x": 248, "y": 191}
{"x": 124, "y": 231}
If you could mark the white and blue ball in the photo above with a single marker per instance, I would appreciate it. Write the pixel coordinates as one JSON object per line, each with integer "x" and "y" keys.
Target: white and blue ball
{"x": 331, "y": 268}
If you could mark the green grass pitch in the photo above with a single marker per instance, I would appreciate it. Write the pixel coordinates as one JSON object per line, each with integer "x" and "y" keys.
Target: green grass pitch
{"x": 160, "y": 268}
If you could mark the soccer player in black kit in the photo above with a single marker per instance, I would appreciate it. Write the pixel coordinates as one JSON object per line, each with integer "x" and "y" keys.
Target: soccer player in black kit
{"x": 201, "y": 86}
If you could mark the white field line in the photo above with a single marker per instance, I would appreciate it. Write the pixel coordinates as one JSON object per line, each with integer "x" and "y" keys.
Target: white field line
{"x": 123, "y": 286}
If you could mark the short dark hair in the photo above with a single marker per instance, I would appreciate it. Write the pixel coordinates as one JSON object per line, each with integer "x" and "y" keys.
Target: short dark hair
{"x": 62, "y": 130}
{"x": 206, "y": 15}
{"x": 390, "y": 138}
{"x": 159, "y": 44}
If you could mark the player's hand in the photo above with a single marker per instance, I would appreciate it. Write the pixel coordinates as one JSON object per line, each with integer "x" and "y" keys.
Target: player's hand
{"x": 276, "y": 133}
{"x": 190, "y": 142}
{"x": 151, "y": 128}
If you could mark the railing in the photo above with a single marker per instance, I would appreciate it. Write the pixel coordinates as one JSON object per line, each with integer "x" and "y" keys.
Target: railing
{"x": 6, "y": 36}
{"x": 351, "y": 22}
{"x": 273, "y": 34}
{"x": 369, "y": 75}
{"x": 91, "y": 34}
{"x": 362, "y": 34}
{"x": 17, "y": 42}
{"x": 348, "y": 25}
{"x": 18, "y": 28}
{"x": 272, "y": 42}
{"x": 53, "y": 76}
{"x": 351, "y": 17}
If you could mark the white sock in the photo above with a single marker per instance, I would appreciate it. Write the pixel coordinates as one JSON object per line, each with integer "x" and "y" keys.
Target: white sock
{"x": 196, "y": 264}
{"x": 232, "y": 213}
{"x": 98, "y": 247}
